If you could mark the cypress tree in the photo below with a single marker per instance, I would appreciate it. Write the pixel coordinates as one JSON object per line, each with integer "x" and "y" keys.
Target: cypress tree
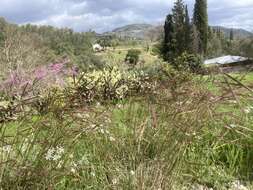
{"x": 3, "y": 25}
{"x": 179, "y": 26}
{"x": 195, "y": 40}
{"x": 178, "y": 13}
{"x": 231, "y": 35}
{"x": 169, "y": 46}
{"x": 200, "y": 19}
{"x": 187, "y": 31}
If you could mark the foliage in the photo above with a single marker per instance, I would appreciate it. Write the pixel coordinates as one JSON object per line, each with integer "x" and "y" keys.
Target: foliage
{"x": 133, "y": 56}
{"x": 154, "y": 127}
{"x": 200, "y": 20}
{"x": 169, "y": 43}
{"x": 188, "y": 62}
{"x": 176, "y": 32}
{"x": 243, "y": 47}
{"x": 180, "y": 35}
{"x": 112, "y": 84}
{"x": 125, "y": 139}
{"x": 22, "y": 82}
{"x": 27, "y": 47}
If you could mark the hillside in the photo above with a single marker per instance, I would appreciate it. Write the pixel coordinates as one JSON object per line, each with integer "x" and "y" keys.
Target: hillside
{"x": 131, "y": 31}
{"x": 142, "y": 31}
{"x": 238, "y": 32}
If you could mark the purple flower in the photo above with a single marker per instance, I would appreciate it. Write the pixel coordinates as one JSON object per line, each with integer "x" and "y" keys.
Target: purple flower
{"x": 41, "y": 73}
{"x": 56, "y": 68}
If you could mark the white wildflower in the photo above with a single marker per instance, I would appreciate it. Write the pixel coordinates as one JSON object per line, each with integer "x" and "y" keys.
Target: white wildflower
{"x": 7, "y": 148}
{"x": 71, "y": 156}
{"x": 247, "y": 110}
{"x": 112, "y": 139}
{"x": 132, "y": 172}
{"x": 107, "y": 132}
{"x": 108, "y": 120}
{"x": 84, "y": 160}
{"x": 60, "y": 164}
{"x": 50, "y": 154}
{"x": 54, "y": 153}
{"x": 119, "y": 106}
{"x": 232, "y": 126}
{"x": 93, "y": 174}
{"x": 86, "y": 115}
{"x": 114, "y": 181}
{"x": 73, "y": 170}
{"x": 238, "y": 186}
{"x": 60, "y": 150}
{"x": 74, "y": 164}
{"x": 102, "y": 131}
{"x": 79, "y": 115}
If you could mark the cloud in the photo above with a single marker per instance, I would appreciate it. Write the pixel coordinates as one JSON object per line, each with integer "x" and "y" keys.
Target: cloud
{"x": 104, "y": 15}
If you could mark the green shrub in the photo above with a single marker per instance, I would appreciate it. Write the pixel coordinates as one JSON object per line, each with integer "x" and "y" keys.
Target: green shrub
{"x": 88, "y": 61}
{"x": 188, "y": 62}
{"x": 133, "y": 56}
{"x": 157, "y": 49}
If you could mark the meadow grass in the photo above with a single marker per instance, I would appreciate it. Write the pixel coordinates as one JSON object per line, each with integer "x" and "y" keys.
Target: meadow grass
{"x": 186, "y": 131}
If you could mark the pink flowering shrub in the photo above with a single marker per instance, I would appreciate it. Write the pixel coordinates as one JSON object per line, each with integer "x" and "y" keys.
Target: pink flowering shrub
{"x": 38, "y": 79}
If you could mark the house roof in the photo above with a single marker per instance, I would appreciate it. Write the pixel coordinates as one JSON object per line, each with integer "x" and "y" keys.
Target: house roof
{"x": 225, "y": 60}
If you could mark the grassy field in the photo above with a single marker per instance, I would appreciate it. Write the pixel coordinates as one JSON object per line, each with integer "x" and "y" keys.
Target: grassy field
{"x": 157, "y": 130}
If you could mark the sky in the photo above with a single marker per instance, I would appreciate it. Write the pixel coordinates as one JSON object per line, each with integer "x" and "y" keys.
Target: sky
{"x": 105, "y": 15}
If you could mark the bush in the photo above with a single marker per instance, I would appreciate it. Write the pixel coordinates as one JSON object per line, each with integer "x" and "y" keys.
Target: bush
{"x": 133, "y": 56}
{"x": 88, "y": 61}
{"x": 157, "y": 49}
{"x": 111, "y": 84}
{"x": 188, "y": 62}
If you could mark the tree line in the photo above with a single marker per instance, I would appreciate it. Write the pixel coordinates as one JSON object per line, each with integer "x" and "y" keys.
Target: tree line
{"x": 183, "y": 34}
{"x": 191, "y": 39}
{"x": 29, "y": 46}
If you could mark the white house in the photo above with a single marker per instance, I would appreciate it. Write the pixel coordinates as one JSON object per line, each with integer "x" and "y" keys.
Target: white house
{"x": 97, "y": 48}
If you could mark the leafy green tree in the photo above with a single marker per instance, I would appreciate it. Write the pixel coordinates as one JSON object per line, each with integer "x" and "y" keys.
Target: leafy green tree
{"x": 200, "y": 19}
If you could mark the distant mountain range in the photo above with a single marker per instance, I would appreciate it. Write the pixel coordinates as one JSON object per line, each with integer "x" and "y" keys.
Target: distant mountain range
{"x": 147, "y": 31}
{"x": 131, "y": 31}
{"x": 238, "y": 32}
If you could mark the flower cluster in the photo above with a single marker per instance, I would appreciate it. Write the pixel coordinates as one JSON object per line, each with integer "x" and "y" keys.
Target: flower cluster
{"x": 40, "y": 78}
{"x": 54, "y": 154}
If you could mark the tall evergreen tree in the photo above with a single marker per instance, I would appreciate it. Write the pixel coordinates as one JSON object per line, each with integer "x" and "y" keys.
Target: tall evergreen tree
{"x": 178, "y": 14}
{"x": 169, "y": 46}
{"x": 195, "y": 39}
{"x": 179, "y": 36}
{"x": 200, "y": 19}
{"x": 2, "y": 29}
{"x": 187, "y": 31}
{"x": 231, "y": 35}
